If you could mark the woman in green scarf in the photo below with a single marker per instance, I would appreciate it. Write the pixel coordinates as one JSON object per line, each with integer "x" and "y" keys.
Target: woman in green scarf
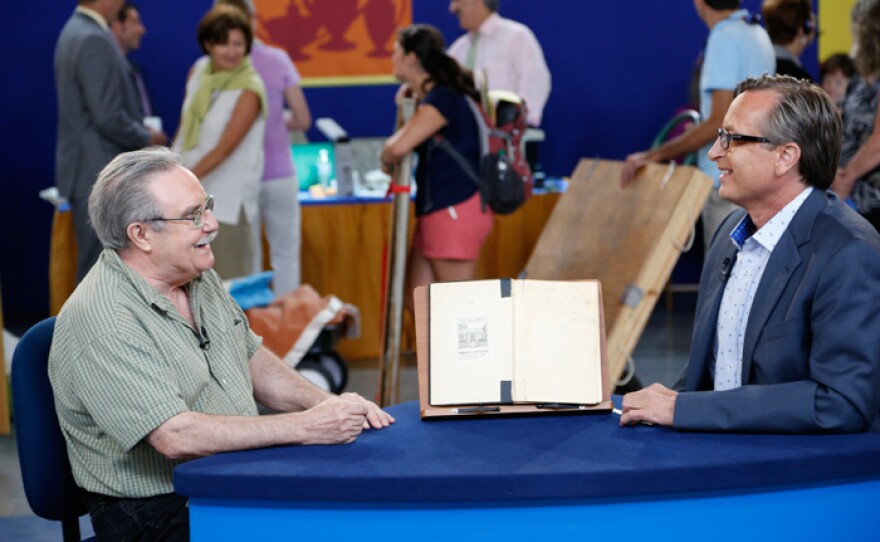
{"x": 221, "y": 133}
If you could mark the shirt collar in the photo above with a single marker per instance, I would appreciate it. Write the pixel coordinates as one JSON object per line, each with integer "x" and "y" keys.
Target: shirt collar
{"x": 94, "y": 15}
{"x": 145, "y": 290}
{"x": 489, "y": 25}
{"x": 742, "y": 231}
{"x": 785, "y": 54}
{"x": 769, "y": 235}
{"x": 738, "y": 15}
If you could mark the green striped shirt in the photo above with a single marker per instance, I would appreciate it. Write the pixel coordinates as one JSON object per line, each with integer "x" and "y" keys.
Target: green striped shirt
{"x": 124, "y": 360}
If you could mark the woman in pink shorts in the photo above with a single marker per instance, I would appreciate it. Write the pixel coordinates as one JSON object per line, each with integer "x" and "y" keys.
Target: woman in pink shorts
{"x": 451, "y": 227}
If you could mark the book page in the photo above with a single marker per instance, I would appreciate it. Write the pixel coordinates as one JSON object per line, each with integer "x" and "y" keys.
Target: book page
{"x": 470, "y": 342}
{"x": 558, "y": 356}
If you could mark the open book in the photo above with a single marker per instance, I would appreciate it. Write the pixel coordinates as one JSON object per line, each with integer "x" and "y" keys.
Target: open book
{"x": 510, "y": 341}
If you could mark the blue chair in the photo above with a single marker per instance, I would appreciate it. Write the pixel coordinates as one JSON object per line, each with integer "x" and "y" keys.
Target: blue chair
{"x": 42, "y": 453}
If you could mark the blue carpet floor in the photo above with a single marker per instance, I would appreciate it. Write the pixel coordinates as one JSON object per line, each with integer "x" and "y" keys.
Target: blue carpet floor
{"x": 34, "y": 529}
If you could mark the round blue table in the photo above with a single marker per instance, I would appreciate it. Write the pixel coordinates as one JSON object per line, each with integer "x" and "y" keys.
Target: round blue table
{"x": 540, "y": 478}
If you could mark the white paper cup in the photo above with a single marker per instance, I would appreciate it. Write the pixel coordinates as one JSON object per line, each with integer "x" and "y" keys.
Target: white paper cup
{"x": 154, "y": 123}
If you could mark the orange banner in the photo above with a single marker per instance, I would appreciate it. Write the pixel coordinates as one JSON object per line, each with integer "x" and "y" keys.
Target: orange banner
{"x": 335, "y": 42}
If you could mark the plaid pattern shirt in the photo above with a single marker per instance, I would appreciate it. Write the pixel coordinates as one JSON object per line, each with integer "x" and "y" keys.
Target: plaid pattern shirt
{"x": 124, "y": 360}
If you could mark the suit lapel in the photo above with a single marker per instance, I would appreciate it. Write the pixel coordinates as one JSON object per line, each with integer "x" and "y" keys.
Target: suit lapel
{"x": 783, "y": 262}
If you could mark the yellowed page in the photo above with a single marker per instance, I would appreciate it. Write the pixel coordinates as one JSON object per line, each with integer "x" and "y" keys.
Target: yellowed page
{"x": 558, "y": 356}
{"x": 470, "y": 350}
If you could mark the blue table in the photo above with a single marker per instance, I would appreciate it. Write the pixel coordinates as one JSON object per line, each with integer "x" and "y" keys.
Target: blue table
{"x": 550, "y": 478}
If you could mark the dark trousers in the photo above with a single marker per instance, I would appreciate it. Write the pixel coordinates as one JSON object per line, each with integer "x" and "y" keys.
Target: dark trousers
{"x": 873, "y": 217}
{"x": 159, "y": 518}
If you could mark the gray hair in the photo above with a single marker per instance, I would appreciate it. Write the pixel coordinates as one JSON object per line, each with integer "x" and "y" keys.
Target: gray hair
{"x": 122, "y": 194}
{"x": 805, "y": 115}
{"x": 492, "y": 5}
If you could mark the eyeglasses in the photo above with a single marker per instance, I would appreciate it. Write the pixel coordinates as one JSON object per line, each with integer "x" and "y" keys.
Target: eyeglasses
{"x": 197, "y": 218}
{"x": 726, "y": 137}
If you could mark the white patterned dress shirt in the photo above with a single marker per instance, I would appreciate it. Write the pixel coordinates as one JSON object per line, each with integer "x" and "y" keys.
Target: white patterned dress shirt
{"x": 754, "y": 248}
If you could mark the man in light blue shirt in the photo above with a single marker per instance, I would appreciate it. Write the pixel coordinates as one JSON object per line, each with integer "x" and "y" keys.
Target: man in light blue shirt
{"x": 787, "y": 332}
{"x": 737, "y": 48}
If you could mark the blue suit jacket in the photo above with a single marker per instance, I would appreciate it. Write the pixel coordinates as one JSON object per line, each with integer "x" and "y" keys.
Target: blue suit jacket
{"x": 811, "y": 353}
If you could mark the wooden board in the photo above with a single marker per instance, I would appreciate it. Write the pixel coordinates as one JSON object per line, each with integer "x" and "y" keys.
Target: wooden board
{"x": 629, "y": 239}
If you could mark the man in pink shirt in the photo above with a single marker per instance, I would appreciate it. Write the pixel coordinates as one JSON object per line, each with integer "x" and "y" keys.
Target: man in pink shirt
{"x": 506, "y": 50}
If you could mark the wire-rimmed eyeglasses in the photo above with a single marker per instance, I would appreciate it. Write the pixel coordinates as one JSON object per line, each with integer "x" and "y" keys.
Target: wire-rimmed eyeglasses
{"x": 197, "y": 217}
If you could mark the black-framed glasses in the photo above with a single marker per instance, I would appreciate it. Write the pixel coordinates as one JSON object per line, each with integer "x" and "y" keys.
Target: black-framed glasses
{"x": 726, "y": 137}
{"x": 197, "y": 217}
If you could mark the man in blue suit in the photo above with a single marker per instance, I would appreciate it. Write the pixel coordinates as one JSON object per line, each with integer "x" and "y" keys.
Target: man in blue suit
{"x": 787, "y": 333}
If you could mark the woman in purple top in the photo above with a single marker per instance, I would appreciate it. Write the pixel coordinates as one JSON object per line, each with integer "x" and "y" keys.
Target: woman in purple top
{"x": 279, "y": 206}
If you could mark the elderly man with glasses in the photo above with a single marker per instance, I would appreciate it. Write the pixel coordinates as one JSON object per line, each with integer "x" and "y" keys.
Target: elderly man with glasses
{"x": 152, "y": 363}
{"x": 787, "y": 333}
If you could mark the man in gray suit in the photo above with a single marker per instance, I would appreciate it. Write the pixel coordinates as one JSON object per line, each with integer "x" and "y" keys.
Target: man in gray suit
{"x": 128, "y": 29}
{"x": 99, "y": 114}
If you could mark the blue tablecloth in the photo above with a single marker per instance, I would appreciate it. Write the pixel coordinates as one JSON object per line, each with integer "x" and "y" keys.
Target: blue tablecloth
{"x": 552, "y": 457}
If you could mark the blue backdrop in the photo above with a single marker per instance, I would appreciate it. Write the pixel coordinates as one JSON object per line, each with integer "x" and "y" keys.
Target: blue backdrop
{"x": 620, "y": 69}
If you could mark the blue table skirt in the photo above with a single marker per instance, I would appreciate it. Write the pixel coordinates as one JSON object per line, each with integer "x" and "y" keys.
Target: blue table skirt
{"x": 827, "y": 513}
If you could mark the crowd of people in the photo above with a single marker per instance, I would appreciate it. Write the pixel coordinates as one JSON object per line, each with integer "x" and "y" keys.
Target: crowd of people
{"x": 243, "y": 97}
{"x": 233, "y": 132}
{"x": 139, "y": 384}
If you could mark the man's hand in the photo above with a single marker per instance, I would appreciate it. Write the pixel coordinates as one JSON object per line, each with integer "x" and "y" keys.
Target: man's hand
{"x": 634, "y": 162}
{"x": 334, "y": 421}
{"x": 376, "y": 418}
{"x": 654, "y": 404}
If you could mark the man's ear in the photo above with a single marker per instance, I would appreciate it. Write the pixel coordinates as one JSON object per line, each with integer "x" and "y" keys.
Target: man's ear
{"x": 788, "y": 158}
{"x": 140, "y": 236}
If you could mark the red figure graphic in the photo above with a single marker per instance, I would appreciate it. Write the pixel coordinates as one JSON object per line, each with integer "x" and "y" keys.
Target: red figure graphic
{"x": 381, "y": 23}
{"x": 335, "y": 38}
{"x": 293, "y": 31}
{"x": 336, "y": 16}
